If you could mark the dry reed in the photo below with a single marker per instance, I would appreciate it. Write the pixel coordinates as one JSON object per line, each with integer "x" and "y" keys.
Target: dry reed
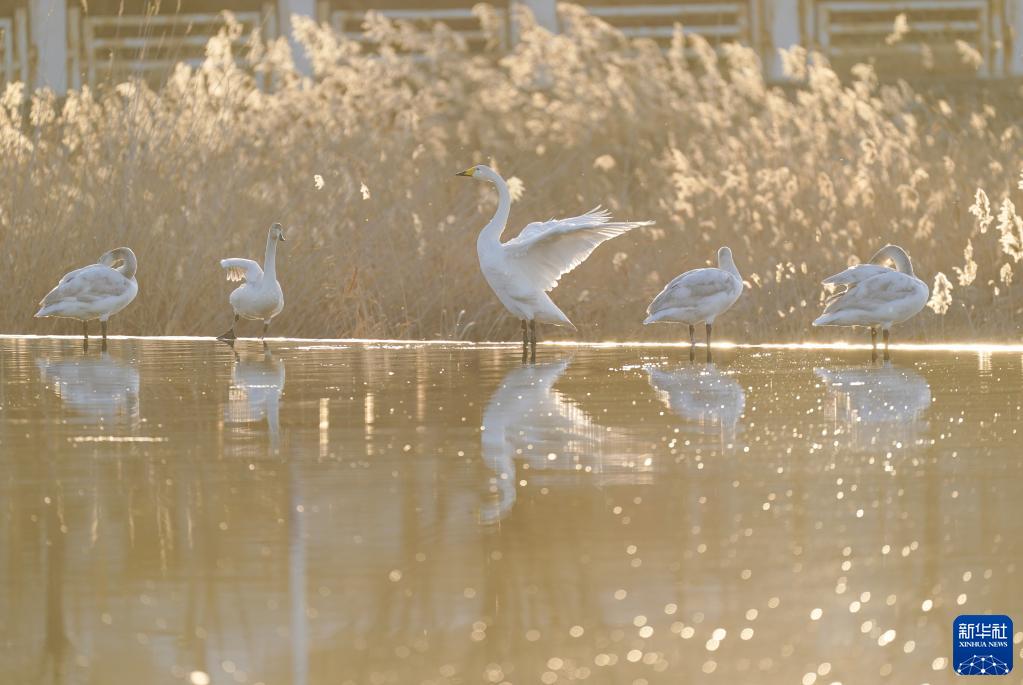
{"x": 357, "y": 160}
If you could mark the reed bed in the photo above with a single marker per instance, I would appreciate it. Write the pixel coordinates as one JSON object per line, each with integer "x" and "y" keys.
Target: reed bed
{"x": 357, "y": 160}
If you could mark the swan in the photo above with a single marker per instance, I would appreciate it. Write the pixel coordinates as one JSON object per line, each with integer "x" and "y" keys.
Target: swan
{"x": 700, "y": 295}
{"x": 875, "y": 295}
{"x": 260, "y": 296}
{"x": 97, "y": 291}
{"x": 524, "y": 269}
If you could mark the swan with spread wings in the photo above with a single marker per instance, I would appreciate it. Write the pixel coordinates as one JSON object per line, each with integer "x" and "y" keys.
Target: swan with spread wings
{"x": 260, "y": 296}
{"x": 524, "y": 269}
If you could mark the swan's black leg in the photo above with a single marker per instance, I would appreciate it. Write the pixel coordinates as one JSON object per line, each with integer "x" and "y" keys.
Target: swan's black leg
{"x": 230, "y": 337}
{"x": 692, "y": 342}
{"x": 266, "y": 329}
{"x": 886, "y": 336}
{"x": 525, "y": 341}
{"x": 85, "y": 336}
{"x": 532, "y": 341}
{"x": 873, "y": 344}
{"x": 103, "y": 326}
{"x": 709, "y": 327}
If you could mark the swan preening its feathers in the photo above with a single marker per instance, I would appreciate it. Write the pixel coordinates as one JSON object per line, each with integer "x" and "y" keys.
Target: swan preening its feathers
{"x": 698, "y": 296}
{"x": 259, "y": 297}
{"x": 97, "y": 291}
{"x": 524, "y": 269}
{"x": 875, "y": 295}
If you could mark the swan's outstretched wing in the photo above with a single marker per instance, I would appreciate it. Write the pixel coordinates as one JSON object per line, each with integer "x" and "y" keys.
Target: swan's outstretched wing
{"x": 855, "y": 274}
{"x": 86, "y": 285}
{"x": 242, "y": 269}
{"x": 547, "y": 250}
{"x": 693, "y": 288}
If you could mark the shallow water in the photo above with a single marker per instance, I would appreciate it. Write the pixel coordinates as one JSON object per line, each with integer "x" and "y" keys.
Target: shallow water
{"x": 388, "y": 513}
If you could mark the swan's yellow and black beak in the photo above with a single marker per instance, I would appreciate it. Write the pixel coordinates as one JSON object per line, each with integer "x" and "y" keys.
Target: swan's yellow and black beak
{"x": 468, "y": 172}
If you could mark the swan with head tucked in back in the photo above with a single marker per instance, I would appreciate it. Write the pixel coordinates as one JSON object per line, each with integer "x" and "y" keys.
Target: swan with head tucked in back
{"x": 875, "y": 295}
{"x": 97, "y": 291}
{"x": 524, "y": 269}
{"x": 698, "y": 296}
{"x": 259, "y": 297}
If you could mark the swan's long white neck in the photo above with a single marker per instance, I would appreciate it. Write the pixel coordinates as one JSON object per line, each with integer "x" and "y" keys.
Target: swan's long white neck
{"x": 270, "y": 259}
{"x": 491, "y": 233}
{"x": 130, "y": 265}
{"x": 898, "y": 256}
{"x": 726, "y": 263}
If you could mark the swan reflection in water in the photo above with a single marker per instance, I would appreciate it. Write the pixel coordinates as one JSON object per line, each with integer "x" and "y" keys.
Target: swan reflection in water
{"x": 701, "y": 394}
{"x": 527, "y": 419}
{"x": 255, "y": 393}
{"x": 94, "y": 389}
{"x": 881, "y": 405}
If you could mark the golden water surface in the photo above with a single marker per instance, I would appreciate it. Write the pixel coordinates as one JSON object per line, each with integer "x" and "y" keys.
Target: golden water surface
{"x": 398, "y": 513}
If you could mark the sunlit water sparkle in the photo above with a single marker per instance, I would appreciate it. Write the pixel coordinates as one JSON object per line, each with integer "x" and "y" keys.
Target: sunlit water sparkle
{"x": 394, "y": 512}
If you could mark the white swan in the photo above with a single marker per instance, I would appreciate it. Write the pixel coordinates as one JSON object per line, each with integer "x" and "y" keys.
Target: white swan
{"x": 875, "y": 295}
{"x": 260, "y": 297}
{"x": 97, "y": 291}
{"x": 524, "y": 269}
{"x": 700, "y": 295}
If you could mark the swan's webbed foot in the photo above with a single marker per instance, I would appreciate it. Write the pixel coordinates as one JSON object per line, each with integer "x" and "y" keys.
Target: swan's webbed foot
{"x": 229, "y": 337}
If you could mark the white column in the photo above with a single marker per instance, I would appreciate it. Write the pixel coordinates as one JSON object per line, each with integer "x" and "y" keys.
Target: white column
{"x": 782, "y": 17}
{"x": 1014, "y": 31}
{"x": 286, "y": 9}
{"x": 47, "y": 21}
{"x": 545, "y": 11}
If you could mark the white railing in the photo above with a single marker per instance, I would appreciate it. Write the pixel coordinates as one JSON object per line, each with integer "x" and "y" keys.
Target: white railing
{"x": 150, "y": 45}
{"x": 857, "y": 29}
{"x": 13, "y": 42}
{"x": 718, "y": 22}
{"x": 461, "y": 20}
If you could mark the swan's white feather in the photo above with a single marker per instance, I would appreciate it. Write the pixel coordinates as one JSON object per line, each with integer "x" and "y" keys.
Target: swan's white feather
{"x": 855, "y": 274}
{"x": 547, "y": 250}
{"x": 242, "y": 270}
